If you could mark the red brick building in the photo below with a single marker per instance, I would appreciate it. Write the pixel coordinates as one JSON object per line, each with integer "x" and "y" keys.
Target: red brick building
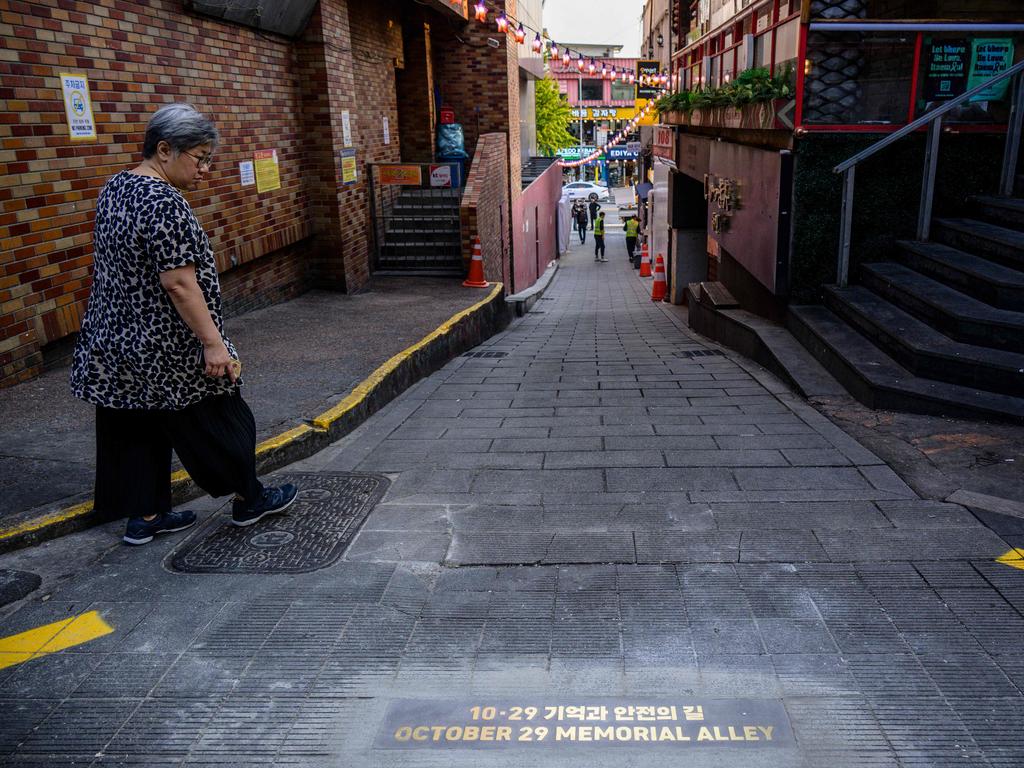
{"x": 362, "y": 75}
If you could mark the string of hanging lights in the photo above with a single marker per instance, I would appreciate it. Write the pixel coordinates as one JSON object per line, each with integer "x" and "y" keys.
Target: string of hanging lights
{"x": 517, "y": 30}
{"x": 512, "y": 27}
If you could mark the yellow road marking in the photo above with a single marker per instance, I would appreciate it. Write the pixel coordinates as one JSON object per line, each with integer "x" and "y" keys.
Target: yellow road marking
{"x": 1014, "y": 558}
{"x": 51, "y": 638}
{"x": 57, "y": 517}
{"x": 320, "y": 424}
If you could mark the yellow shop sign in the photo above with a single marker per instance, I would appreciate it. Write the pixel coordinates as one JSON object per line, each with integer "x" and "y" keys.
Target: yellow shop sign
{"x": 603, "y": 113}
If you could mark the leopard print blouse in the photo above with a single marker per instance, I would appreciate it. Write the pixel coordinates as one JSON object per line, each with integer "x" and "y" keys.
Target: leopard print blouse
{"x": 134, "y": 350}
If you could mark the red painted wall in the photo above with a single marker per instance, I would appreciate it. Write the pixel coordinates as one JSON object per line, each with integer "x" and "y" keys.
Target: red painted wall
{"x": 534, "y": 243}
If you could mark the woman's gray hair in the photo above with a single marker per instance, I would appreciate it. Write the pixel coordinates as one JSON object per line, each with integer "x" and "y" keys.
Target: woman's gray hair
{"x": 181, "y": 126}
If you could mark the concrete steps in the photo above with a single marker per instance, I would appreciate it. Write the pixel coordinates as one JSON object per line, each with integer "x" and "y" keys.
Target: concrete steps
{"x": 1003, "y": 211}
{"x": 421, "y": 234}
{"x": 922, "y": 349}
{"x": 973, "y": 275}
{"x": 1000, "y": 244}
{"x": 878, "y": 381}
{"x": 940, "y": 330}
{"x": 956, "y": 314}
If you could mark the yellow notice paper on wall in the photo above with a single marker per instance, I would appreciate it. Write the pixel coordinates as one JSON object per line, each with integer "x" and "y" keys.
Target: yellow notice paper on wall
{"x": 268, "y": 174}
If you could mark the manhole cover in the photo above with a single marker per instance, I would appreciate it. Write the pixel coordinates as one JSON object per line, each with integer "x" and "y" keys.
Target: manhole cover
{"x": 312, "y": 534}
{"x": 486, "y": 353}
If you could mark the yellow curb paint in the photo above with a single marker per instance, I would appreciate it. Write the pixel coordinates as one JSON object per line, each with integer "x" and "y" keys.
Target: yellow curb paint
{"x": 280, "y": 441}
{"x": 320, "y": 424}
{"x": 51, "y": 638}
{"x": 41, "y": 522}
{"x": 367, "y": 385}
{"x": 1014, "y": 558}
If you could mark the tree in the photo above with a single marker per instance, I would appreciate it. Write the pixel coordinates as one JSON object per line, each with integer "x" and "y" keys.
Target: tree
{"x": 553, "y": 116}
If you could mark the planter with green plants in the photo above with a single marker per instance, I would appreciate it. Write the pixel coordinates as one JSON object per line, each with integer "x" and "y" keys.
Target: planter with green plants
{"x": 749, "y": 101}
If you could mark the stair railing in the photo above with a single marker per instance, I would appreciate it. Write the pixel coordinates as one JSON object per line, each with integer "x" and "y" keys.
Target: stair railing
{"x": 933, "y": 120}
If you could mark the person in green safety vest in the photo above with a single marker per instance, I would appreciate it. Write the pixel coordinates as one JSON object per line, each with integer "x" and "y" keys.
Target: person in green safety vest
{"x": 632, "y": 227}
{"x": 599, "y": 238}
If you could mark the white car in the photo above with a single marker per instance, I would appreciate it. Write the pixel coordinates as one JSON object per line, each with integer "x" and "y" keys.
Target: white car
{"x": 586, "y": 190}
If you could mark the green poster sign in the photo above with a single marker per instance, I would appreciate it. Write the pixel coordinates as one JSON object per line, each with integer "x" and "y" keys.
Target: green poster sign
{"x": 989, "y": 57}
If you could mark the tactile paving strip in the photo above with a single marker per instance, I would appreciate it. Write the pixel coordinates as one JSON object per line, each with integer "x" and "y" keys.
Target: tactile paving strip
{"x": 312, "y": 534}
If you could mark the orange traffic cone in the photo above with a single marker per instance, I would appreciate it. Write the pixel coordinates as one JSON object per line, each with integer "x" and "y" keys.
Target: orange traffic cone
{"x": 660, "y": 288}
{"x": 476, "y": 268}
{"x": 645, "y": 262}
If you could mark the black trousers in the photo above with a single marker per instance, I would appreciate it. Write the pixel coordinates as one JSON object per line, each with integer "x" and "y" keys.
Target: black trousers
{"x": 215, "y": 439}
{"x": 630, "y": 247}
{"x": 583, "y": 232}
{"x": 599, "y": 245}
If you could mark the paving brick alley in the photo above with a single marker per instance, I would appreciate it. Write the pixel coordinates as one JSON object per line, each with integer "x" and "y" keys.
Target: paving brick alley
{"x": 600, "y": 542}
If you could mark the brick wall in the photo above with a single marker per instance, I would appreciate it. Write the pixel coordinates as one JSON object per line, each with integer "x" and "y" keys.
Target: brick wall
{"x": 264, "y": 92}
{"x": 415, "y": 92}
{"x": 485, "y": 207}
{"x": 364, "y": 83}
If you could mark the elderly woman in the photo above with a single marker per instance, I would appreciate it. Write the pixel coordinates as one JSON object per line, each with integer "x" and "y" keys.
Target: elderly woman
{"x": 152, "y": 355}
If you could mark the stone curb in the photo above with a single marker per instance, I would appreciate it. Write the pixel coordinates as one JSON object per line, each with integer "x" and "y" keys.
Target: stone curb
{"x": 462, "y": 331}
{"x": 524, "y": 300}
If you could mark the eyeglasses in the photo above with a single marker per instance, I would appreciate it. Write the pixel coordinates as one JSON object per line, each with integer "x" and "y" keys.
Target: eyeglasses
{"x": 207, "y": 160}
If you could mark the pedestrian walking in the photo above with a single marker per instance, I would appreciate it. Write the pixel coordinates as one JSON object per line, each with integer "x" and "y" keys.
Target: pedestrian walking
{"x": 632, "y": 227}
{"x": 581, "y": 221}
{"x": 152, "y": 355}
{"x": 599, "y": 238}
{"x": 594, "y": 208}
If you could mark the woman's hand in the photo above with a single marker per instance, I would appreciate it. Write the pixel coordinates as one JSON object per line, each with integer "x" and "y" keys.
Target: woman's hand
{"x": 181, "y": 285}
{"x": 219, "y": 361}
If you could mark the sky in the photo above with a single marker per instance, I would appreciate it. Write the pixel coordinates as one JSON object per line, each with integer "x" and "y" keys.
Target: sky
{"x": 596, "y": 21}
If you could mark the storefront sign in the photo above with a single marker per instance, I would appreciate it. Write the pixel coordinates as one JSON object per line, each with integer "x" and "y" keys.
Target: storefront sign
{"x": 575, "y": 153}
{"x": 634, "y": 146}
{"x": 406, "y": 175}
{"x": 602, "y": 113}
{"x": 645, "y": 69}
{"x": 664, "y": 144}
{"x": 268, "y": 175}
{"x": 621, "y": 153}
{"x": 349, "y": 169}
{"x": 78, "y": 106}
{"x": 723, "y": 198}
{"x": 988, "y": 59}
{"x": 945, "y": 70}
{"x": 440, "y": 176}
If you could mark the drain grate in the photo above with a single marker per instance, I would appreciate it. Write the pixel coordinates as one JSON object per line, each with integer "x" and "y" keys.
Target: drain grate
{"x": 311, "y": 535}
{"x": 486, "y": 353}
{"x": 700, "y": 353}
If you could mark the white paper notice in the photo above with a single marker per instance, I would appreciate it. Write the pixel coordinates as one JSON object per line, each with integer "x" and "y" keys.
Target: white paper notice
{"x": 248, "y": 173}
{"x": 78, "y": 106}
{"x": 346, "y": 128}
{"x": 387, "y": 131}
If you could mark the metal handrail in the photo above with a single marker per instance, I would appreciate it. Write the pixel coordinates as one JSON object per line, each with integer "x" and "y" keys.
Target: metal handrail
{"x": 928, "y": 117}
{"x": 933, "y": 120}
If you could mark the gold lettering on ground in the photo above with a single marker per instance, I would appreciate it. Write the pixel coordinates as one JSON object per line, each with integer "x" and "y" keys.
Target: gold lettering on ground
{"x": 584, "y": 723}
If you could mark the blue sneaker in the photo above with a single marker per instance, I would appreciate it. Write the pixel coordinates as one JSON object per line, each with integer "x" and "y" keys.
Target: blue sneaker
{"x": 141, "y": 531}
{"x": 272, "y": 501}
